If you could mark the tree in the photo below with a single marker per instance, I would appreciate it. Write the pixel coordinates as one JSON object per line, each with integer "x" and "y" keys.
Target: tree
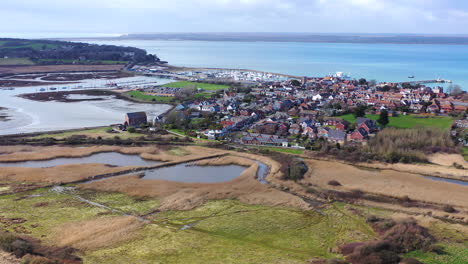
{"x": 456, "y": 90}
{"x": 383, "y": 119}
{"x": 362, "y": 81}
{"x": 295, "y": 83}
{"x": 360, "y": 111}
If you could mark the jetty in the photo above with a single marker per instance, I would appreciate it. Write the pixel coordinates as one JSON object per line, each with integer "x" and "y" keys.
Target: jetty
{"x": 427, "y": 81}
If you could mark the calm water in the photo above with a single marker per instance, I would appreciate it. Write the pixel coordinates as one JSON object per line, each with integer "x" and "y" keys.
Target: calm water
{"x": 32, "y": 116}
{"x": 384, "y": 62}
{"x": 195, "y": 174}
{"x": 109, "y": 158}
{"x": 448, "y": 180}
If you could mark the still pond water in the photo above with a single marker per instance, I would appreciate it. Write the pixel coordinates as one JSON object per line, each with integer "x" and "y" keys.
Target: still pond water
{"x": 109, "y": 158}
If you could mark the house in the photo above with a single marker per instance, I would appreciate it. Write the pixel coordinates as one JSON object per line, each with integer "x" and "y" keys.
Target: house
{"x": 135, "y": 119}
{"x": 263, "y": 140}
{"x": 359, "y": 134}
{"x": 337, "y": 136}
{"x": 367, "y": 124}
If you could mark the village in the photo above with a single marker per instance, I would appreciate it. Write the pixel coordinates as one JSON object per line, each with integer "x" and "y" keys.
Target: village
{"x": 296, "y": 113}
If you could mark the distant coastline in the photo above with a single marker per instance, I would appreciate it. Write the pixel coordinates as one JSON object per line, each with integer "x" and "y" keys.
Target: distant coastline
{"x": 298, "y": 37}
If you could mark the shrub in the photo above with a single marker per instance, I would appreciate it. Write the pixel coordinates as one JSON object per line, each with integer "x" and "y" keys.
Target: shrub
{"x": 131, "y": 129}
{"x": 334, "y": 183}
{"x": 449, "y": 209}
{"x": 381, "y": 252}
{"x": 30, "y": 259}
{"x": 13, "y": 244}
{"x": 408, "y": 236}
{"x": 410, "y": 261}
{"x": 6, "y": 239}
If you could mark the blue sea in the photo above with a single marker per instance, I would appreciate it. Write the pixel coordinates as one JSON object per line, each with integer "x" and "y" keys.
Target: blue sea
{"x": 382, "y": 62}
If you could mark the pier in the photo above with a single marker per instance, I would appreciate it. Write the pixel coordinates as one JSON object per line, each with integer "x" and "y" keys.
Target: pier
{"x": 426, "y": 81}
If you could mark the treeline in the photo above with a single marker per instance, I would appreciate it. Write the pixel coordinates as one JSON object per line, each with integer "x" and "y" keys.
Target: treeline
{"x": 61, "y": 52}
{"x": 393, "y": 145}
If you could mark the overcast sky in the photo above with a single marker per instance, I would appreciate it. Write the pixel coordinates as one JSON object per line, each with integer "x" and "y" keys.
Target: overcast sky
{"x": 327, "y": 16}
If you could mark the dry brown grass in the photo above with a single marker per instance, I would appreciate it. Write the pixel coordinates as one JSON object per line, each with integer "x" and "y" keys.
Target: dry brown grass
{"x": 444, "y": 159}
{"x": 423, "y": 169}
{"x": 7, "y": 258}
{"x": 386, "y": 182}
{"x": 59, "y": 174}
{"x": 98, "y": 233}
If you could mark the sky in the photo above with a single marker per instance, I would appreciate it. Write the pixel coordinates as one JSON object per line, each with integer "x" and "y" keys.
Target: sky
{"x": 152, "y": 16}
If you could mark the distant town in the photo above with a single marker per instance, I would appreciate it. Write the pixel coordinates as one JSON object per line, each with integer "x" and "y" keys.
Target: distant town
{"x": 276, "y": 110}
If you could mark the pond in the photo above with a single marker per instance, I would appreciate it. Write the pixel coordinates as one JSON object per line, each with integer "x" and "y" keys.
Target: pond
{"x": 109, "y": 158}
{"x": 195, "y": 174}
{"x": 447, "y": 180}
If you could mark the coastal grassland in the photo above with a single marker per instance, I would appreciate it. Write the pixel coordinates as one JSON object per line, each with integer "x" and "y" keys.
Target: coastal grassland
{"x": 44, "y": 210}
{"x": 286, "y": 150}
{"x": 228, "y": 231}
{"x": 138, "y": 95}
{"x": 16, "y": 61}
{"x": 452, "y": 239}
{"x": 465, "y": 153}
{"x": 25, "y": 44}
{"x": 409, "y": 121}
{"x": 92, "y": 133}
{"x": 67, "y": 61}
{"x": 201, "y": 85}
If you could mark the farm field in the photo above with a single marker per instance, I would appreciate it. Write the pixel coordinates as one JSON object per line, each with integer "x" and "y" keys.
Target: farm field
{"x": 409, "y": 121}
{"x": 16, "y": 61}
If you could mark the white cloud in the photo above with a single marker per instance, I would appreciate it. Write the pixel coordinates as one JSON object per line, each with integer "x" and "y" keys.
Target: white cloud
{"x": 423, "y": 16}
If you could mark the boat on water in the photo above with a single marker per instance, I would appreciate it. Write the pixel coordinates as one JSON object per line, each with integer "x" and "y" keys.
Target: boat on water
{"x": 42, "y": 90}
{"x": 53, "y": 89}
{"x": 411, "y": 77}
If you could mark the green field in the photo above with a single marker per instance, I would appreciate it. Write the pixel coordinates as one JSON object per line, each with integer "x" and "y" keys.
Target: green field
{"x": 83, "y": 62}
{"x": 465, "y": 153}
{"x": 409, "y": 121}
{"x": 93, "y": 133}
{"x": 16, "y": 61}
{"x": 25, "y": 44}
{"x": 204, "y": 86}
{"x": 231, "y": 232}
{"x": 287, "y": 150}
{"x": 149, "y": 98}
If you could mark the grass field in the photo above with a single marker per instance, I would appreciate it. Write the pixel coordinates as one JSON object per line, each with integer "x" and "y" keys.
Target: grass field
{"x": 465, "y": 153}
{"x": 204, "y": 86}
{"x": 409, "y": 121}
{"x": 26, "y": 44}
{"x": 149, "y": 98}
{"x": 16, "y": 61}
{"x": 94, "y": 133}
{"x": 287, "y": 150}
{"x": 84, "y": 62}
{"x": 232, "y": 232}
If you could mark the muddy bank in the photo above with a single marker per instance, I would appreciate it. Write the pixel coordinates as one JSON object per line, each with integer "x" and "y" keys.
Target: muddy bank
{"x": 4, "y": 116}
{"x": 86, "y": 76}
{"x": 68, "y": 96}
{"x": 78, "y": 96}
{"x": 27, "y": 83}
{"x": 8, "y": 70}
